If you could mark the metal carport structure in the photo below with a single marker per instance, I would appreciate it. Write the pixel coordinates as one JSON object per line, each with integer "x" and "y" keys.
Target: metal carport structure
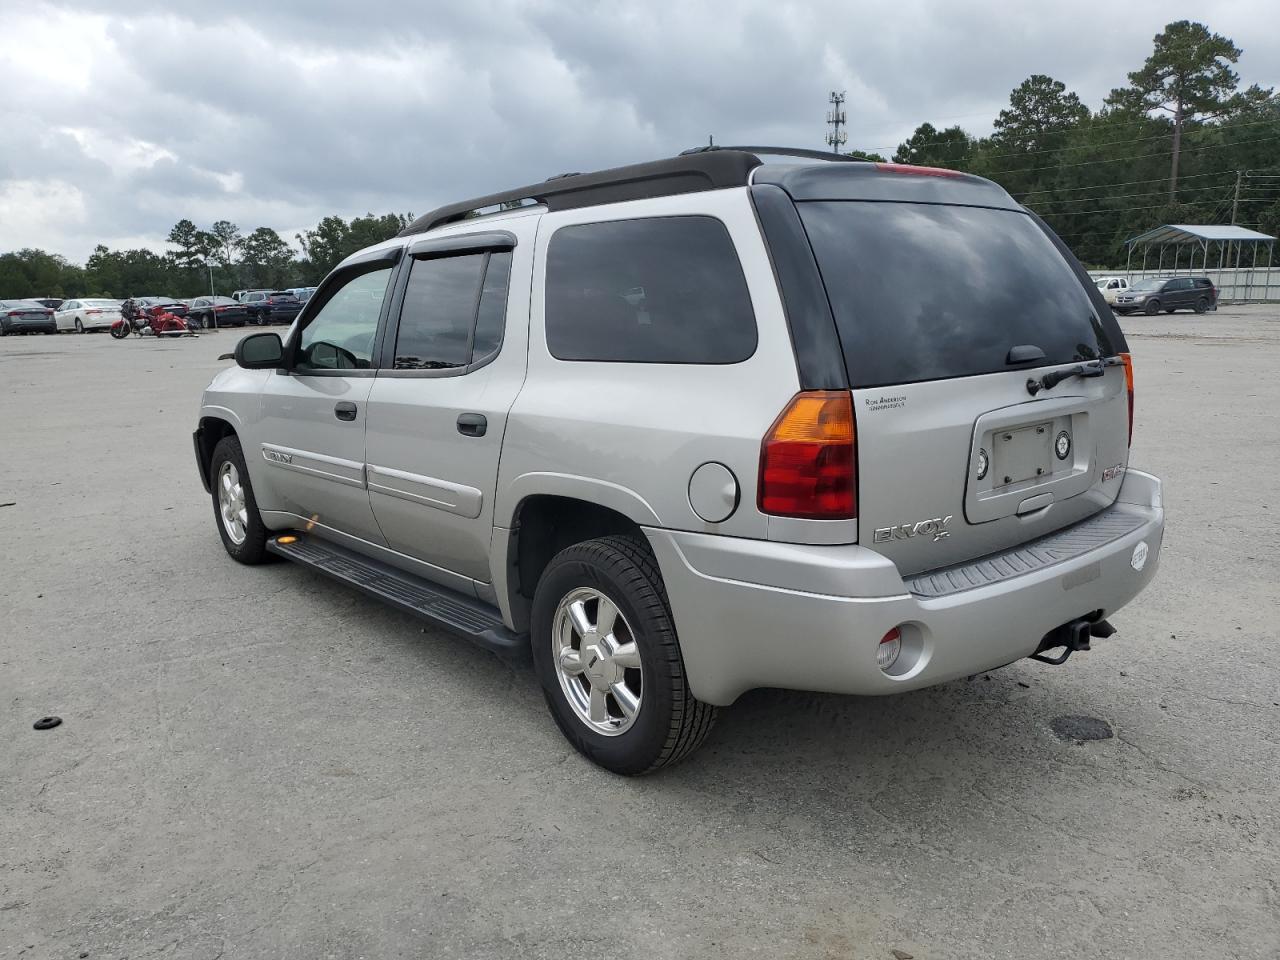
{"x": 1231, "y": 242}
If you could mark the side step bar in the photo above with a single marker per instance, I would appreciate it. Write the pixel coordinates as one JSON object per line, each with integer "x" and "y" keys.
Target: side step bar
{"x": 477, "y": 621}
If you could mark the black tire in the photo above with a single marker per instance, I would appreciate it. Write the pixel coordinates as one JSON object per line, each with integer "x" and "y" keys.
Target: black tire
{"x": 1152, "y": 308}
{"x": 1202, "y": 305}
{"x": 79, "y": 326}
{"x": 671, "y": 723}
{"x": 254, "y": 548}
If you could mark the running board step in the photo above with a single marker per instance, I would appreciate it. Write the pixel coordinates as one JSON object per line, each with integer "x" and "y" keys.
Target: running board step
{"x": 477, "y": 621}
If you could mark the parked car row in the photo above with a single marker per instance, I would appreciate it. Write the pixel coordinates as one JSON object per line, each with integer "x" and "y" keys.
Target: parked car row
{"x": 50, "y": 315}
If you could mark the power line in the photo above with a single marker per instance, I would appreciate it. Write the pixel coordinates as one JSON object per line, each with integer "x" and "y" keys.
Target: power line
{"x": 1129, "y": 183}
{"x": 1121, "y": 196}
{"x": 1108, "y": 143}
{"x": 1142, "y": 156}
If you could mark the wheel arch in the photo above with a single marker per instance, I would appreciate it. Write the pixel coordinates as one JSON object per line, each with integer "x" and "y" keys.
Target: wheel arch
{"x": 543, "y": 524}
{"x": 210, "y": 431}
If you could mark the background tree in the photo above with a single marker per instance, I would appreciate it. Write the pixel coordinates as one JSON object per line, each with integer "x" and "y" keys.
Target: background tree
{"x": 931, "y": 147}
{"x": 266, "y": 260}
{"x": 227, "y": 240}
{"x": 1189, "y": 76}
{"x": 34, "y": 273}
{"x": 190, "y": 243}
{"x": 1041, "y": 110}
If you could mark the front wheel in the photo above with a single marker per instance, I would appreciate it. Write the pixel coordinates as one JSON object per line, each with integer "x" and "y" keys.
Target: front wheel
{"x": 608, "y": 658}
{"x": 120, "y": 330}
{"x": 235, "y": 509}
{"x": 1152, "y": 308}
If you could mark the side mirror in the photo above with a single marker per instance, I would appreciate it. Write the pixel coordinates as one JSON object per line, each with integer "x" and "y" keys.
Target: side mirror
{"x": 260, "y": 351}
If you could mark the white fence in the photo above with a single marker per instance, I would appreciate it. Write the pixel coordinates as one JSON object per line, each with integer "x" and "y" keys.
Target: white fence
{"x": 1245, "y": 285}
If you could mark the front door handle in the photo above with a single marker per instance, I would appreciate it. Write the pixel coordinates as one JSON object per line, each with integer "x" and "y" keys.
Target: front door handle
{"x": 472, "y": 424}
{"x": 344, "y": 410}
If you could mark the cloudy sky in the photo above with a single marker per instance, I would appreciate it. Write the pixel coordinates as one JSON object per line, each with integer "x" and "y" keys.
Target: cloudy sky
{"x": 118, "y": 117}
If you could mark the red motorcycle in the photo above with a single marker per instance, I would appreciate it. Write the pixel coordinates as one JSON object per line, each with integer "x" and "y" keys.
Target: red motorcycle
{"x": 156, "y": 322}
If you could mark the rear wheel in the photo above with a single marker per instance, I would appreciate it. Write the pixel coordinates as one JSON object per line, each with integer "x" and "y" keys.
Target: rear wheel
{"x": 234, "y": 508}
{"x": 608, "y": 658}
{"x": 79, "y": 326}
{"x": 1152, "y": 308}
{"x": 1202, "y": 305}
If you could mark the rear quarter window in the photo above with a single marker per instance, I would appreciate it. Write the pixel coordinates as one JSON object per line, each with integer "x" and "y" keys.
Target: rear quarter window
{"x": 655, "y": 290}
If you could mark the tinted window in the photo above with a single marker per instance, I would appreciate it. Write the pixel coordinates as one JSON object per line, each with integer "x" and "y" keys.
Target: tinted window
{"x": 491, "y": 318}
{"x": 438, "y": 314}
{"x": 454, "y": 311}
{"x": 926, "y": 291}
{"x": 662, "y": 290}
{"x": 340, "y": 334}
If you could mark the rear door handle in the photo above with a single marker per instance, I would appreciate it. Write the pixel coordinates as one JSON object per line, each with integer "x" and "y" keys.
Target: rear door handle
{"x": 472, "y": 424}
{"x": 344, "y": 410}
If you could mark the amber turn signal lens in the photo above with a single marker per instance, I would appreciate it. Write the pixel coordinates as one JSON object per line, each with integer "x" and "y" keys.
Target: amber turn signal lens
{"x": 807, "y": 459}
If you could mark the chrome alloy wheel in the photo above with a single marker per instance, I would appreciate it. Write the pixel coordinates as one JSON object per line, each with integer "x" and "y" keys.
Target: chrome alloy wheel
{"x": 597, "y": 661}
{"x": 231, "y": 504}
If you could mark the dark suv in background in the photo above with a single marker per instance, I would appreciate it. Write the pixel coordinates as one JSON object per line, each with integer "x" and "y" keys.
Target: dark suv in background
{"x": 1168, "y": 294}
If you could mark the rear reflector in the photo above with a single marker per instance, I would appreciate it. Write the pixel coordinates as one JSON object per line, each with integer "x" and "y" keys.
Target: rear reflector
{"x": 913, "y": 170}
{"x": 889, "y": 649}
{"x": 807, "y": 459}
{"x": 1128, "y": 385}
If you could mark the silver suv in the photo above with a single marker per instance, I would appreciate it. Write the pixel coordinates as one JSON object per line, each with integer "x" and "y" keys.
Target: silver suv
{"x": 690, "y": 427}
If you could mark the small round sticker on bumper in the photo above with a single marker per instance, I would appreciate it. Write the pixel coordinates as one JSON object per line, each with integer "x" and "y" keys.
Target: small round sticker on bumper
{"x": 1139, "y": 558}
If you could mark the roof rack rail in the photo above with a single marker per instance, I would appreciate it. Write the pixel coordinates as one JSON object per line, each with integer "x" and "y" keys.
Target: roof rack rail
{"x": 780, "y": 152}
{"x": 687, "y": 173}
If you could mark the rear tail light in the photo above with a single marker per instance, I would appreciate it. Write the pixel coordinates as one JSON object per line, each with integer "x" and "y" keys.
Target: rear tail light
{"x": 1128, "y": 385}
{"x": 912, "y": 169}
{"x": 87, "y": 312}
{"x": 890, "y": 648}
{"x": 807, "y": 459}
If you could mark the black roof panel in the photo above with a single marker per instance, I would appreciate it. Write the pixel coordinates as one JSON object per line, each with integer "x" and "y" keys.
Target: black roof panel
{"x": 712, "y": 170}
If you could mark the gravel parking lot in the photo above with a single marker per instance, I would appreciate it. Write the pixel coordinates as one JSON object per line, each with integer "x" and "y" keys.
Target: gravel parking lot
{"x": 256, "y": 763}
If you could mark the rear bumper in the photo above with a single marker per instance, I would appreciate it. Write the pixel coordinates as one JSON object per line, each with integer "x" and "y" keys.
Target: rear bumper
{"x": 18, "y": 325}
{"x": 763, "y": 614}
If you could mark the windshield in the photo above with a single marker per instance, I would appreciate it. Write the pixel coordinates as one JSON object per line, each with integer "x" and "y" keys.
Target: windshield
{"x": 1147, "y": 285}
{"x": 101, "y": 303}
{"x": 925, "y": 291}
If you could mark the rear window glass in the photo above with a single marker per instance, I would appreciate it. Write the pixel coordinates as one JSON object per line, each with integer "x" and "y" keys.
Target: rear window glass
{"x": 927, "y": 291}
{"x": 658, "y": 290}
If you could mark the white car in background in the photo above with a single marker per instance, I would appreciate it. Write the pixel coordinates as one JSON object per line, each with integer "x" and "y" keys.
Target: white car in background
{"x": 1112, "y": 287}
{"x": 85, "y": 315}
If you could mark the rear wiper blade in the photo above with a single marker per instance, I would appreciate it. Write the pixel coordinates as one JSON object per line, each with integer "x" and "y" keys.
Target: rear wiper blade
{"x": 1094, "y": 368}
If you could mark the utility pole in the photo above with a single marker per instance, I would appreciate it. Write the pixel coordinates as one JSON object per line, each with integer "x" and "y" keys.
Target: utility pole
{"x": 1235, "y": 203}
{"x": 836, "y": 118}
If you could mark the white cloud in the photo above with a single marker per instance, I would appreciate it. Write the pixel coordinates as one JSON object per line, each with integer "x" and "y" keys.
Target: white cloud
{"x": 121, "y": 116}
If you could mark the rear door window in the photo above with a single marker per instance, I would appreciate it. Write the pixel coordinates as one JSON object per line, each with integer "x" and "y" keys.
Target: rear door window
{"x": 654, "y": 290}
{"x": 926, "y": 291}
{"x": 454, "y": 311}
